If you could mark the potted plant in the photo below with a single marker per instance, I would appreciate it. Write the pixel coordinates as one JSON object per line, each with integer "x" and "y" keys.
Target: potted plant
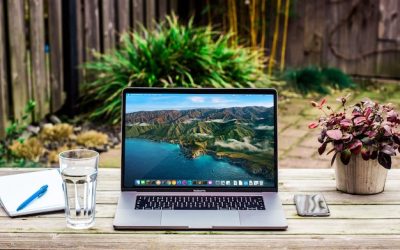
{"x": 363, "y": 138}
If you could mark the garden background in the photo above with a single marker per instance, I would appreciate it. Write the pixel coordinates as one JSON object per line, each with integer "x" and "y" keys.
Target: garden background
{"x": 51, "y": 54}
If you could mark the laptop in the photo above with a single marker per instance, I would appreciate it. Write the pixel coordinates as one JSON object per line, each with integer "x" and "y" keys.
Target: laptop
{"x": 199, "y": 159}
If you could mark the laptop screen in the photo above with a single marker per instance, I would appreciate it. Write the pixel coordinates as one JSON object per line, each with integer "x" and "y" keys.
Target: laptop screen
{"x": 199, "y": 140}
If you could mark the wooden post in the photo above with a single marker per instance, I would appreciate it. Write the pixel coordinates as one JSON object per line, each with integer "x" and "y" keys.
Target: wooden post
{"x": 109, "y": 24}
{"x": 56, "y": 55}
{"x": 73, "y": 55}
{"x": 162, "y": 9}
{"x": 137, "y": 14}
{"x": 3, "y": 74}
{"x": 38, "y": 67}
{"x": 150, "y": 13}
{"x": 19, "y": 79}
{"x": 92, "y": 28}
{"x": 123, "y": 17}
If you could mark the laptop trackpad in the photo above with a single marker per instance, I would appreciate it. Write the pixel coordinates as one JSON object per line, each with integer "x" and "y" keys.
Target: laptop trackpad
{"x": 200, "y": 219}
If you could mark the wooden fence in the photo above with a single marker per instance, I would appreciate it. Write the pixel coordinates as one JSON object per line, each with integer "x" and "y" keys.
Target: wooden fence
{"x": 42, "y": 43}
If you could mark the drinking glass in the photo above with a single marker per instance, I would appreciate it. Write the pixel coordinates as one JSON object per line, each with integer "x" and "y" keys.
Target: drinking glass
{"x": 78, "y": 169}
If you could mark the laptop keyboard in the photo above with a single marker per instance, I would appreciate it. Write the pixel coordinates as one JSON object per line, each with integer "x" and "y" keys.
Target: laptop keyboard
{"x": 200, "y": 202}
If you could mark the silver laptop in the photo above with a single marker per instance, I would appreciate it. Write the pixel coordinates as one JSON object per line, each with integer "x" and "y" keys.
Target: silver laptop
{"x": 199, "y": 159}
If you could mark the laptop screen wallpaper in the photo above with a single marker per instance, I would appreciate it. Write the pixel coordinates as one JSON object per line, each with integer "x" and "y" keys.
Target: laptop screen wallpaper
{"x": 204, "y": 140}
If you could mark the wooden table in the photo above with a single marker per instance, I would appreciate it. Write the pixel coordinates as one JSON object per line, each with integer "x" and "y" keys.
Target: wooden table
{"x": 355, "y": 221}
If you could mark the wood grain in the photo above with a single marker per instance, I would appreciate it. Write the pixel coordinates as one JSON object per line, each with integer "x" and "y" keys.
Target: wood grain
{"x": 150, "y": 8}
{"x": 3, "y": 74}
{"x": 137, "y": 14}
{"x": 18, "y": 70}
{"x": 123, "y": 16}
{"x": 92, "y": 28}
{"x": 108, "y": 25}
{"x": 56, "y": 55}
{"x": 198, "y": 241}
{"x": 38, "y": 60}
{"x": 356, "y": 221}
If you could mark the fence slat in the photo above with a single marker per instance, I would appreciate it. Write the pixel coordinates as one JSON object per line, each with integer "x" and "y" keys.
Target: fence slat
{"x": 137, "y": 14}
{"x": 123, "y": 16}
{"x": 56, "y": 55}
{"x": 37, "y": 44}
{"x": 150, "y": 13}
{"x": 92, "y": 28}
{"x": 173, "y": 6}
{"x": 162, "y": 8}
{"x": 108, "y": 21}
{"x": 19, "y": 80}
{"x": 3, "y": 74}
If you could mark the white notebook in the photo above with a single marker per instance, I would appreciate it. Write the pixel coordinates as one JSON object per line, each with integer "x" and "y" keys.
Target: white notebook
{"x": 15, "y": 189}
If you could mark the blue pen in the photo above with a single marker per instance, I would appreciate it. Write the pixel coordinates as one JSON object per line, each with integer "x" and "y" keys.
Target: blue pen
{"x": 34, "y": 196}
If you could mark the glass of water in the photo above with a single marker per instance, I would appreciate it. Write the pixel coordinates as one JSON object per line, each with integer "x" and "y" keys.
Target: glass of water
{"x": 78, "y": 169}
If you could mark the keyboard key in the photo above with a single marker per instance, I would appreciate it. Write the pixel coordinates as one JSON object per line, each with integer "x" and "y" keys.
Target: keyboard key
{"x": 200, "y": 202}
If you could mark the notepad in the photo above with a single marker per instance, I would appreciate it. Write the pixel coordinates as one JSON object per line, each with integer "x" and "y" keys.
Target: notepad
{"x": 15, "y": 189}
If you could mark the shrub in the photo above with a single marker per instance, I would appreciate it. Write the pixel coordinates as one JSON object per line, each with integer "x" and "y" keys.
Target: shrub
{"x": 318, "y": 80}
{"x": 369, "y": 129}
{"x": 92, "y": 139}
{"x": 172, "y": 55}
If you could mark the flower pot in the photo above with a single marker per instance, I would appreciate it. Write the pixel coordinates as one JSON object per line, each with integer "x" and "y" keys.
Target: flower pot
{"x": 360, "y": 176}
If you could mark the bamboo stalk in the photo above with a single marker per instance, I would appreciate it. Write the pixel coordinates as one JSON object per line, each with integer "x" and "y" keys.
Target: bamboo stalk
{"x": 275, "y": 39}
{"x": 234, "y": 24}
{"x": 253, "y": 32}
{"x": 209, "y": 13}
{"x": 284, "y": 39}
{"x": 263, "y": 24}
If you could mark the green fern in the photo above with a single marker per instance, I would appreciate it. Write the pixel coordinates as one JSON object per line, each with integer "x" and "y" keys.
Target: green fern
{"x": 316, "y": 80}
{"x": 173, "y": 55}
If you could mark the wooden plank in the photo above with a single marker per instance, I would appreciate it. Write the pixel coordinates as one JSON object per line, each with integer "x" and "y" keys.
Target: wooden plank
{"x": 56, "y": 55}
{"x": 109, "y": 25}
{"x": 18, "y": 57}
{"x": 296, "y": 227}
{"x": 92, "y": 28}
{"x": 150, "y": 7}
{"x": 162, "y": 10}
{"x": 173, "y": 6}
{"x": 197, "y": 241}
{"x": 388, "y": 44}
{"x": 137, "y": 14}
{"x": 337, "y": 212}
{"x": 123, "y": 15}
{"x": 4, "y": 108}
{"x": 37, "y": 44}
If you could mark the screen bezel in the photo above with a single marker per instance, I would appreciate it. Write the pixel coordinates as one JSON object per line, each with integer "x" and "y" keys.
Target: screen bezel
{"x": 260, "y": 91}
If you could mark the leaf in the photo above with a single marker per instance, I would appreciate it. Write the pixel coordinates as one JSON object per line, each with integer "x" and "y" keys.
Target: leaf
{"x": 387, "y": 149}
{"x": 365, "y": 154}
{"x": 333, "y": 158}
{"x": 371, "y": 134}
{"x": 346, "y": 123}
{"x": 385, "y": 160}
{"x": 314, "y": 104}
{"x": 391, "y": 116}
{"x": 396, "y": 139}
{"x": 367, "y": 112}
{"x": 374, "y": 155}
{"x": 355, "y": 146}
{"x": 313, "y": 125}
{"x": 335, "y": 134}
{"x": 345, "y": 156}
{"x": 321, "y": 104}
{"x": 321, "y": 149}
{"x": 359, "y": 120}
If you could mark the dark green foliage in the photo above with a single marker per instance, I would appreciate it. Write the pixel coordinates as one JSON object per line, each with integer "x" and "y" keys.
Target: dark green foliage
{"x": 315, "y": 80}
{"x": 172, "y": 55}
{"x": 14, "y": 132}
